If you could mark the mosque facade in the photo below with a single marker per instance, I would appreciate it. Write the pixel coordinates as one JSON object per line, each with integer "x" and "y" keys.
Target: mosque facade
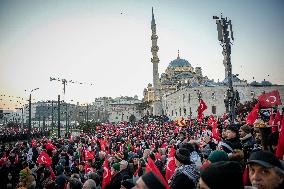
{"x": 181, "y": 86}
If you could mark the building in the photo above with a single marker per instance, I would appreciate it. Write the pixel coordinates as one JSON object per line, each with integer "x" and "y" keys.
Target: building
{"x": 122, "y": 108}
{"x": 181, "y": 86}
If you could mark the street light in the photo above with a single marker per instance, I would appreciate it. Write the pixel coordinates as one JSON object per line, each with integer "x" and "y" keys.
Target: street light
{"x": 30, "y": 114}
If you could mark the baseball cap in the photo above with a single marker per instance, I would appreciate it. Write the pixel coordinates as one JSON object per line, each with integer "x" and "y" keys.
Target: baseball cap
{"x": 265, "y": 159}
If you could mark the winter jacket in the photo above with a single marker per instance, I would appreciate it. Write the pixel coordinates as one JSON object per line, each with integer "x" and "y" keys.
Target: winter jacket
{"x": 185, "y": 176}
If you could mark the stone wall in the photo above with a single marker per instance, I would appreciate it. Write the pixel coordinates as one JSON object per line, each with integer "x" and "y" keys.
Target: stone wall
{"x": 180, "y": 104}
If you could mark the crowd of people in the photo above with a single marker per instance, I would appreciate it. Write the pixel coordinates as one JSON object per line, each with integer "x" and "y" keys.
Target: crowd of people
{"x": 152, "y": 153}
{"x": 16, "y": 133}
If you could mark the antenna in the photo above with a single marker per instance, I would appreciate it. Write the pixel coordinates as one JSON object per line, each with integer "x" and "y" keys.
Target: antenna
{"x": 231, "y": 30}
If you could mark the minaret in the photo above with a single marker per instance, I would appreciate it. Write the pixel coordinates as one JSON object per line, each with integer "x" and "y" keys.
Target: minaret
{"x": 157, "y": 105}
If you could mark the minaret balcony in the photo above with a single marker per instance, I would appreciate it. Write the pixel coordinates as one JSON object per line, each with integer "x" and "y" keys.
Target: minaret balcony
{"x": 154, "y": 49}
{"x": 154, "y": 37}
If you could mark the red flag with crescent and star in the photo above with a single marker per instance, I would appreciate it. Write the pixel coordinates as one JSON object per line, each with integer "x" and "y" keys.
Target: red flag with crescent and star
{"x": 280, "y": 146}
{"x": 202, "y": 107}
{"x": 252, "y": 116}
{"x": 43, "y": 158}
{"x": 270, "y": 99}
{"x": 106, "y": 174}
{"x": 171, "y": 165}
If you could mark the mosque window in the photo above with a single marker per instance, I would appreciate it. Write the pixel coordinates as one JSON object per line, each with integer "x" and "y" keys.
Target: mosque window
{"x": 213, "y": 109}
{"x": 172, "y": 113}
{"x": 179, "y": 111}
{"x": 188, "y": 98}
{"x": 183, "y": 97}
{"x": 184, "y": 111}
{"x": 213, "y": 96}
{"x": 252, "y": 94}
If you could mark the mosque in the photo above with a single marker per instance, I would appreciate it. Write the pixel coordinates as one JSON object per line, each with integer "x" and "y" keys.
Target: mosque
{"x": 176, "y": 91}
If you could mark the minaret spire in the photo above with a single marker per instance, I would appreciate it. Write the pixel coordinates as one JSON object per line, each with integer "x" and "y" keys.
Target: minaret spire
{"x": 153, "y": 17}
{"x": 178, "y": 55}
{"x": 157, "y": 105}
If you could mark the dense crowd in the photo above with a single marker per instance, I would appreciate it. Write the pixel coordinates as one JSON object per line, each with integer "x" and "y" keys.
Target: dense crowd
{"x": 152, "y": 153}
{"x": 11, "y": 134}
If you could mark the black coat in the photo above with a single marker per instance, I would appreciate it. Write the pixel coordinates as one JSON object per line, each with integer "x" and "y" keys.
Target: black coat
{"x": 182, "y": 181}
{"x": 115, "y": 182}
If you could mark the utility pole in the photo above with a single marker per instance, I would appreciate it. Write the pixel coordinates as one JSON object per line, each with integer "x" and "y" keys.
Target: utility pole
{"x": 30, "y": 115}
{"x": 58, "y": 124}
{"x": 87, "y": 113}
{"x": 225, "y": 41}
{"x": 66, "y": 117}
{"x": 52, "y": 116}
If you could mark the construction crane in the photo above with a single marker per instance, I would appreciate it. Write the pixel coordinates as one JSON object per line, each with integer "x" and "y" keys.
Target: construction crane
{"x": 65, "y": 81}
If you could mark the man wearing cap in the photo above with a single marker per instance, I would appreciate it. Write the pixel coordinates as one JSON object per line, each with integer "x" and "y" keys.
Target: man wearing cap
{"x": 186, "y": 174}
{"x": 123, "y": 168}
{"x": 149, "y": 181}
{"x": 265, "y": 171}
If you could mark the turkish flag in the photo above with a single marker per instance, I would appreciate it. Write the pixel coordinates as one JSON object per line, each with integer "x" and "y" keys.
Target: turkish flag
{"x": 106, "y": 174}
{"x": 171, "y": 165}
{"x": 202, "y": 107}
{"x": 88, "y": 169}
{"x": 215, "y": 132}
{"x": 252, "y": 116}
{"x": 280, "y": 145}
{"x": 88, "y": 155}
{"x": 33, "y": 142}
{"x": 211, "y": 120}
{"x": 270, "y": 99}
{"x": 50, "y": 146}
{"x": 150, "y": 166}
{"x": 43, "y": 158}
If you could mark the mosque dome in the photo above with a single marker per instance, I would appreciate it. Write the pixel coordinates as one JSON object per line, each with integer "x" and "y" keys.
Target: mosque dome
{"x": 179, "y": 63}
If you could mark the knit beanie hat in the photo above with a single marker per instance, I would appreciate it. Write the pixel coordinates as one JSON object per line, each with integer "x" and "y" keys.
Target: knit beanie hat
{"x": 152, "y": 181}
{"x": 116, "y": 166}
{"x": 218, "y": 155}
{"x": 246, "y": 129}
{"x": 223, "y": 175}
{"x": 183, "y": 156}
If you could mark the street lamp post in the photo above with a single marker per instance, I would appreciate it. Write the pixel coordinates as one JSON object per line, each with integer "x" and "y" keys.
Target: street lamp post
{"x": 58, "y": 124}
{"x": 225, "y": 41}
{"x": 30, "y": 114}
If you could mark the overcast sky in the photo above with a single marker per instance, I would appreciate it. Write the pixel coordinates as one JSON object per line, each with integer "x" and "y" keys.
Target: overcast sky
{"x": 108, "y": 43}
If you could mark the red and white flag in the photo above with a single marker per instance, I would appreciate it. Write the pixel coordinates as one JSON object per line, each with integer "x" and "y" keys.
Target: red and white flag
{"x": 89, "y": 155}
{"x": 88, "y": 169}
{"x": 106, "y": 174}
{"x": 202, "y": 107}
{"x": 252, "y": 116}
{"x": 43, "y": 158}
{"x": 280, "y": 145}
{"x": 50, "y": 146}
{"x": 270, "y": 99}
{"x": 171, "y": 165}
